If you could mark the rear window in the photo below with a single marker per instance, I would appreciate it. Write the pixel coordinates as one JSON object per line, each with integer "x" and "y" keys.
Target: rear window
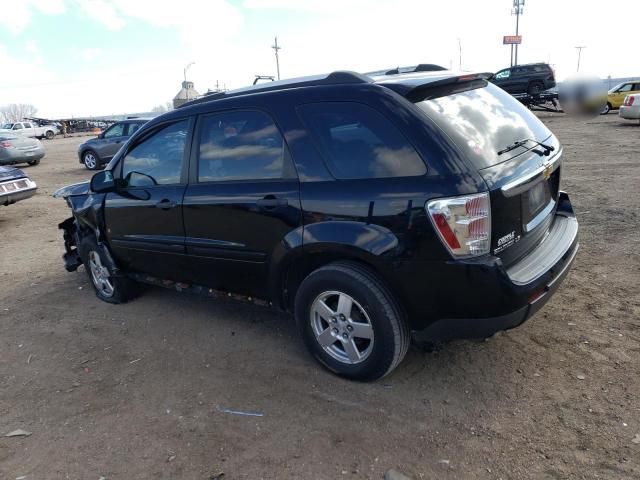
{"x": 484, "y": 121}
{"x": 358, "y": 142}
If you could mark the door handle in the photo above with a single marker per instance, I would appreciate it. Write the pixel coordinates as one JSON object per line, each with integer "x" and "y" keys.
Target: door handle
{"x": 271, "y": 201}
{"x": 166, "y": 204}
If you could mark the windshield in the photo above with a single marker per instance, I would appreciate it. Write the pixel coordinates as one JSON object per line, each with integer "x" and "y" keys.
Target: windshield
{"x": 484, "y": 121}
{"x": 614, "y": 89}
{"x": 7, "y": 126}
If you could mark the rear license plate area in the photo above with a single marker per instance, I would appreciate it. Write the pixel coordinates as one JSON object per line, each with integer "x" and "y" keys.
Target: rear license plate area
{"x": 537, "y": 196}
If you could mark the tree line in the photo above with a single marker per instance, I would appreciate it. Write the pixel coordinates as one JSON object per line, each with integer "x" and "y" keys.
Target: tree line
{"x": 15, "y": 112}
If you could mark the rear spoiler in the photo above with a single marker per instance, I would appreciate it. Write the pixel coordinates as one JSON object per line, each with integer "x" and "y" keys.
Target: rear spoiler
{"x": 417, "y": 92}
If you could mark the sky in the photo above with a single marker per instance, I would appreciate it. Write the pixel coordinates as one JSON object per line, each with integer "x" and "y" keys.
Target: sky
{"x": 103, "y": 57}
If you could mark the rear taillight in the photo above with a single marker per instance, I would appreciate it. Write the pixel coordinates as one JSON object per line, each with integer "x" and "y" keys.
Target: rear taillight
{"x": 463, "y": 223}
{"x": 629, "y": 100}
{"x": 5, "y": 144}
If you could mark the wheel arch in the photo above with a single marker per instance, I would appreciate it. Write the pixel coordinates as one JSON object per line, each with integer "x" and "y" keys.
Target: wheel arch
{"x": 314, "y": 245}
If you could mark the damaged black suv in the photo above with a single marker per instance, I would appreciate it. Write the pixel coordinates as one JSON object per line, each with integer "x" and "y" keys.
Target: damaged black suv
{"x": 370, "y": 207}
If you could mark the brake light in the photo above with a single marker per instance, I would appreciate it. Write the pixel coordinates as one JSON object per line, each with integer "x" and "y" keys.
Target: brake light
{"x": 463, "y": 223}
{"x": 5, "y": 144}
{"x": 629, "y": 100}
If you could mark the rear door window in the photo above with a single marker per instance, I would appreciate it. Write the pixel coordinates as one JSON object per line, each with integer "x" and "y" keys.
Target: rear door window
{"x": 359, "y": 142}
{"x": 132, "y": 128}
{"x": 242, "y": 145}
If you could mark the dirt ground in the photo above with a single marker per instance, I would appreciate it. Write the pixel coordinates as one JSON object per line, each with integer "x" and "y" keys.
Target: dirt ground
{"x": 140, "y": 390}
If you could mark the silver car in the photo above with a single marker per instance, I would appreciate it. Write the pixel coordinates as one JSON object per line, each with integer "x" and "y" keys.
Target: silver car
{"x": 16, "y": 148}
{"x": 96, "y": 152}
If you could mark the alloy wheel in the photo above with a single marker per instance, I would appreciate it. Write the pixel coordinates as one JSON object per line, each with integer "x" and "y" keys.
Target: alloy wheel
{"x": 90, "y": 161}
{"x": 100, "y": 275}
{"x": 342, "y": 327}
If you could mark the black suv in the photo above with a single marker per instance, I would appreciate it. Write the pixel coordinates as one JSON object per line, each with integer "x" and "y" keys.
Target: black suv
{"x": 367, "y": 206}
{"x": 532, "y": 78}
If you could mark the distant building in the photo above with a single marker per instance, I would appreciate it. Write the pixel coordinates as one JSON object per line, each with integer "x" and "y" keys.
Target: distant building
{"x": 186, "y": 94}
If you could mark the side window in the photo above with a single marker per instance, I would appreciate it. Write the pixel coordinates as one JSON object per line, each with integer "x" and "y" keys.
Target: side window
{"x": 116, "y": 130}
{"x": 28, "y": 125}
{"x": 636, "y": 87}
{"x": 503, "y": 74}
{"x": 158, "y": 159}
{"x": 359, "y": 142}
{"x": 17, "y": 126}
{"x": 241, "y": 145}
{"x": 625, "y": 88}
{"x": 132, "y": 128}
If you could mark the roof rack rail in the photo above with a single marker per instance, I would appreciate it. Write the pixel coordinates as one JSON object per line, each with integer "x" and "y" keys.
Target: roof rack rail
{"x": 339, "y": 77}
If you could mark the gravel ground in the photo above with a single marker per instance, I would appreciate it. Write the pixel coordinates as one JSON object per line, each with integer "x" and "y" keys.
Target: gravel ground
{"x": 140, "y": 390}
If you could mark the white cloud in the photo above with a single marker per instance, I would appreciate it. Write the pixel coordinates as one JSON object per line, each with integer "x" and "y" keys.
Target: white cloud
{"x": 90, "y": 53}
{"x": 31, "y": 46}
{"x": 16, "y": 14}
{"x": 104, "y": 12}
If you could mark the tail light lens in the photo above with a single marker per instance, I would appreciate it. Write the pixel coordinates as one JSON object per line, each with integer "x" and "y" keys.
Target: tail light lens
{"x": 463, "y": 223}
{"x": 629, "y": 100}
{"x": 5, "y": 144}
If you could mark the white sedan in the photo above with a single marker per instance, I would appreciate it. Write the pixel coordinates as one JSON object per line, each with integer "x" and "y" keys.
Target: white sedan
{"x": 630, "y": 109}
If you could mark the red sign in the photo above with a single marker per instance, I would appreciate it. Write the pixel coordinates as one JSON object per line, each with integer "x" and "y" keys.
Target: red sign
{"x": 512, "y": 40}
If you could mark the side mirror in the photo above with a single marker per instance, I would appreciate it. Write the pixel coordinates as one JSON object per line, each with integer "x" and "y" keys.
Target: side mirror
{"x": 103, "y": 182}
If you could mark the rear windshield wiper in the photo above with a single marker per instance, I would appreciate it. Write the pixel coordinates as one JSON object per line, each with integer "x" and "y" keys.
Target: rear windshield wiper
{"x": 520, "y": 143}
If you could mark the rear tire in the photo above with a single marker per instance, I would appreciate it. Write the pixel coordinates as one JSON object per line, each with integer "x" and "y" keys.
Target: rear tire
{"x": 350, "y": 321}
{"x": 49, "y": 134}
{"x": 108, "y": 288}
{"x": 535, "y": 88}
{"x": 33, "y": 163}
{"x": 91, "y": 160}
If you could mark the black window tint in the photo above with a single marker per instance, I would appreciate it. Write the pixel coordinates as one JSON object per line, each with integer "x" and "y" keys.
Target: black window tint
{"x": 157, "y": 160}
{"x": 116, "y": 130}
{"x": 242, "y": 145}
{"x": 359, "y": 142}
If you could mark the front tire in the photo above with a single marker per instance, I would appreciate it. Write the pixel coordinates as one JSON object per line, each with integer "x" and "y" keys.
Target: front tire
{"x": 91, "y": 160}
{"x": 350, "y": 321}
{"x": 606, "y": 109}
{"x": 49, "y": 134}
{"x": 108, "y": 288}
{"x": 33, "y": 163}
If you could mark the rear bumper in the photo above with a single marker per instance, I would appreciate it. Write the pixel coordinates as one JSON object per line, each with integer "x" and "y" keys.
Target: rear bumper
{"x": 14, "y": 156}
{"x": 13, "y": 191}
{"x": 506, "y": 298}
{"x": 630, "y": 113}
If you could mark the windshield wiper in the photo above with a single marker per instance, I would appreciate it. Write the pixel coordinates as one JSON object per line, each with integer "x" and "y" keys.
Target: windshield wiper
{"x": 520, "y": 143}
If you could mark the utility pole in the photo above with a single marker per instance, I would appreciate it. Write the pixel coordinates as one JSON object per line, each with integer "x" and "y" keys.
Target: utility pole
{"x": 517, "y": 10}
{"x": 579, "y": 54}
{"x": 459, "y": 55}
{"x": 275, "y": 49}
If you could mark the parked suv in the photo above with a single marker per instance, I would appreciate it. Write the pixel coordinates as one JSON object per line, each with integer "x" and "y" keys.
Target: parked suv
{"x": 95, "y": 152}
{"x": 368, "y": 207}
{"x": 533, "y": 78}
